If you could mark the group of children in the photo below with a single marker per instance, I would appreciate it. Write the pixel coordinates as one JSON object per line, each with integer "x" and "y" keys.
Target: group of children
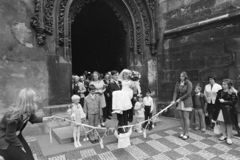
{"x": 93, "y": 113}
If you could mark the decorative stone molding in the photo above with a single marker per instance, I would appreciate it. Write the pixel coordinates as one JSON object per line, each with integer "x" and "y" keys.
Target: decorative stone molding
{"x": 48, "y": 18}
{"x": 37, "y": 22}
{"x": 61, "y": 21}
{"x": 137, "y": 17}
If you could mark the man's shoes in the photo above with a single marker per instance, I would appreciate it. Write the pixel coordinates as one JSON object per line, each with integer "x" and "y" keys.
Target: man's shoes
{"x": 130, "y": 120}
{"x": 108, "y": 117}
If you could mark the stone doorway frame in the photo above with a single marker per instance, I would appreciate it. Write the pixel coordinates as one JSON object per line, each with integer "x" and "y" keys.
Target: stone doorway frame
{"x": 54, "y": 17}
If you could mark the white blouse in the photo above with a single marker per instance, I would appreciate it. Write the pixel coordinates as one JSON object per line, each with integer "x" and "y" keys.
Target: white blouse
{"x": 211, "y": 93}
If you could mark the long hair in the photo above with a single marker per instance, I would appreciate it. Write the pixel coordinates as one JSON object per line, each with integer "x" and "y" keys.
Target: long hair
{"x": 25, "y": 104}
{"x": 185, "y": 75}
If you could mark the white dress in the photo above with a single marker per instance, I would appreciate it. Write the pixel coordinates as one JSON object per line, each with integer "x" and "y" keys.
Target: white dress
{"x": 122, "y": 98}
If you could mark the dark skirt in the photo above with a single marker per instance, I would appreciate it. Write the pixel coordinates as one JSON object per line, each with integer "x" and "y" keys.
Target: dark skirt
{"x": 228, "y": 114}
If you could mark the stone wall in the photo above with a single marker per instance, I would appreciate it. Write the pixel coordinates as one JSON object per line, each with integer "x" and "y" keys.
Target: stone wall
{"x": 22, "y": 61}
{"x": 215, "y": 50}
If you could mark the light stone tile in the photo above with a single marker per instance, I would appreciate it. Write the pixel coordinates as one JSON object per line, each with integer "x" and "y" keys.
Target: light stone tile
{"x": 183, "y": 158}
{"x": 195, "y": 136}
{"x": 155, "y": 136}
{"x": 107, "y": 156}
{"x": 87, "y": 153}
{"x": 112, "y": 147}
{"x": 200, "y": 145}
{"x": 222, "y": 147}
{"x": 236, "y": 141}
{"x": 135, "y": 141}
{"x": 227, "y": 156}
{"x": 158, "y": 146}
{"x": 171, "y": 132}
{"x": 205, "y": 154}
{"x": 161, "y": 157}
{"x": 177, "y": 141}
{"x": 136, "y": 152}
{"x": 182, "y": 151}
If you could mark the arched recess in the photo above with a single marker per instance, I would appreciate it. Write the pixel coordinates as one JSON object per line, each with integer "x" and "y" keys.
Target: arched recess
{"x": 137, "y": 16}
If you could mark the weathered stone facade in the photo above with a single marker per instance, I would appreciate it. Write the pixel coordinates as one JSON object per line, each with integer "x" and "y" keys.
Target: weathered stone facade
{"x": 210, "y": 48}
{"x": 207, "y": 47}
{"x": 22, "y": 61}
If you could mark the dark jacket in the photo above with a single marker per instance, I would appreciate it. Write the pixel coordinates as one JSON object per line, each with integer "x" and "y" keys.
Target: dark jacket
{"x": 230, "y": 101}
{"x": 237, "y": 106}
{"x": 184, "y": 93}
{"x": 203, "y": 101}
{"x": 8, "y": 130}
{"x": 113, "y": 87}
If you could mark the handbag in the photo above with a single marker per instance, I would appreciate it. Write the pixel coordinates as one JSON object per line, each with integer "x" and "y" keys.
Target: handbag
{"x": 217, "y": 129}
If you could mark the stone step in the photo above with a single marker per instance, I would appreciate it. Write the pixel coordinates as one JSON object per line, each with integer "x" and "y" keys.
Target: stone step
{"x": 64, "y": 134}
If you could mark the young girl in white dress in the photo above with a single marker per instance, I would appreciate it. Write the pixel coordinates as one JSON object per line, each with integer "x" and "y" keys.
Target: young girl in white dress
{"x": 77, "y": 115}
{"x": 122, "y": 98}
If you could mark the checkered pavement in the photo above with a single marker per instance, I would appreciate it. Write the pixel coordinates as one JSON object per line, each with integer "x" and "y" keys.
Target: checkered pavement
{"x": 161, "y": 145}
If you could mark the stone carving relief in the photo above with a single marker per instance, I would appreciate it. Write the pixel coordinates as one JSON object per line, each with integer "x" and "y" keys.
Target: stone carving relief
{"x": 36, "y": 23}
{"x": 48, "y": 18}
{"x": 61, "y": 21}
{"x": 139, "y": 9}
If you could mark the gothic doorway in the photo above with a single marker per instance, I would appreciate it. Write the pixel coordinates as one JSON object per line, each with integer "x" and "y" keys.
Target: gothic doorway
{"x": 98, "y": 40}
{"x": 84, "y": 34}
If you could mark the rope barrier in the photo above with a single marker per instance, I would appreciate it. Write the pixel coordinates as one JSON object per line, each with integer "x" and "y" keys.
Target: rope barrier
{"x": 93, "y": 127}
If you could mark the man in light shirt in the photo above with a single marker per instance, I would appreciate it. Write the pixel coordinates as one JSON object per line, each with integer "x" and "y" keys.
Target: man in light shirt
{"x": 148, "y": 103}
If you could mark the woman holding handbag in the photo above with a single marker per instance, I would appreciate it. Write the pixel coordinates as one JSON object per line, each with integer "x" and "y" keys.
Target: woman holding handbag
{"x": 225, "y": 101}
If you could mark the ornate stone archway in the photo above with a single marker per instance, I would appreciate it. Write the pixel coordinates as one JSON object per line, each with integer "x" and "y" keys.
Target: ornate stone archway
{"x": 54, "y": 18}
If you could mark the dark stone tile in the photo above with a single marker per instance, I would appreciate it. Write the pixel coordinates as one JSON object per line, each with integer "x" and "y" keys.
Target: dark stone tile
{"x": 168, "y": 143}
{"x": 173, "y": 154}
{"x": 192, "y": 148}
{"x": 195, "y": 157}
{"x": 122, "y": 154}
{"x": 214, "y": 151}
{"x": 147, "y": 149}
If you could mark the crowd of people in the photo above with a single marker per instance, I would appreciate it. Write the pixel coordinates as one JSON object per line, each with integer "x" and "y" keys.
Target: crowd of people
{"x": 217, "y": 102}
{"x": 115, "y": 93}
{"x": 97, "y": 98}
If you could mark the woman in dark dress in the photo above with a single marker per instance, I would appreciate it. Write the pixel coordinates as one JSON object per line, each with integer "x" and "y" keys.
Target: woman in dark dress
{"x": 225, "y": 101}
{"x": 12, "y": 144}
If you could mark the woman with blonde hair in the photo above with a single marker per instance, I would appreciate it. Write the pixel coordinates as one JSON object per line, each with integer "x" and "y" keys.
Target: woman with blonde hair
{"x": 12, "y": 144}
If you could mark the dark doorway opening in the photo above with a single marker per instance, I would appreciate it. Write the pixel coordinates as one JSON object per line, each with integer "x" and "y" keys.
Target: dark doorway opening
{"x": 98, "y": 40}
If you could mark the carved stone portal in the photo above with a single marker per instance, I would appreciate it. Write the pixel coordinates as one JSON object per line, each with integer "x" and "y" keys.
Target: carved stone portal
{"x": 137, "y": 16}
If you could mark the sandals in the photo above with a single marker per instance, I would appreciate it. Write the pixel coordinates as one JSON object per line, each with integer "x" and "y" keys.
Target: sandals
{"x": 181, "y": 135}
{"x": 229, "y": 141}
{"x": 185, "y": 137}
{"x": 222, "y": 138}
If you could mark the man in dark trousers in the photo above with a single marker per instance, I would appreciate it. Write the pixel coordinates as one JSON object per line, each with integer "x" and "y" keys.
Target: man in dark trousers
{"x": 107, "y": 109}
{"x": 115, "y": 85}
